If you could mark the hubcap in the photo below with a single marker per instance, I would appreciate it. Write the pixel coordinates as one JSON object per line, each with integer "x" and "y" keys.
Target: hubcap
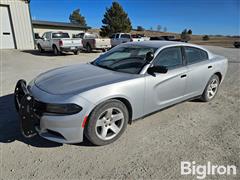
{"x": 109, "y": 123}
{"x": 212, "y": 88}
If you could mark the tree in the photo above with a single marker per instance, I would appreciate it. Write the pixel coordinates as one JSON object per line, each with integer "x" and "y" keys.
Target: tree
{"x": 159, "y": 27}
{"x": 77, "y": 18}
{"x": 151, "y": 28}
{"x": 140, "y": 28}
{"x": 115, "y": 20}
{"x": 205, "y": 38}
{"x": 189, "y": 31}
{"x": 185, "y": 36}
{"x": 165, "y": 29}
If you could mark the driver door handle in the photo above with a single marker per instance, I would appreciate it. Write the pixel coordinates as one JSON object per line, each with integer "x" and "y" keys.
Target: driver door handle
{"x": 183, "y": 76}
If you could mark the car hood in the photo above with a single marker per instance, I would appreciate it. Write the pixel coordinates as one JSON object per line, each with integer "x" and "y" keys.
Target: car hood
{"x": 75, "y": 79}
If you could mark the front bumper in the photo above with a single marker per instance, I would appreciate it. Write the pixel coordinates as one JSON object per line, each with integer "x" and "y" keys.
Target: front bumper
{"x": 33, "y": 119}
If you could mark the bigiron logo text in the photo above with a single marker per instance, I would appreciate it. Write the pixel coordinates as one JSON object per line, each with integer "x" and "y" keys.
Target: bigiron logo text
{"x": 202, "y": 171}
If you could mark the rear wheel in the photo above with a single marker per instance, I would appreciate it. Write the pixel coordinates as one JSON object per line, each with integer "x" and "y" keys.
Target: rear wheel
{"x": 56, "y": 51}
{"x": 77, "y": 52}
{"x": 89, "y": 49}
{"x": 107, "y": 122}
{"x": 211, "y": 89}
{"x": 40, "y": 49}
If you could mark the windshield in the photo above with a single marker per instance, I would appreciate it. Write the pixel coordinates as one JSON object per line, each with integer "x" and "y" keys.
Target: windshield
{"x": 128, "y": 59}
{"x": 60, "y": 35}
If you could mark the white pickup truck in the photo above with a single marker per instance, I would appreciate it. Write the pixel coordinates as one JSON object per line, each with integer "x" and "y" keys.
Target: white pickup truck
{"x": 94, "y": 42}
{"x": 120, "y": 38}
{"x": 59, "y": 42}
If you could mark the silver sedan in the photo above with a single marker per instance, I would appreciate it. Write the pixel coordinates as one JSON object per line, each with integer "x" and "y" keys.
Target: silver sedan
{"x": 99, "y": 99}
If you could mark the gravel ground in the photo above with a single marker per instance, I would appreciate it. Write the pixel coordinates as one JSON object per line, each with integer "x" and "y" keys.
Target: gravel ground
{"x": 151, "y": 148}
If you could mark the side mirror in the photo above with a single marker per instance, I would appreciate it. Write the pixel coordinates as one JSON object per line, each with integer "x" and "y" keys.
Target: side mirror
{"x": 157, "y": 69}
{"x": 43, "y": 38}
{"x": 149, "y": 57}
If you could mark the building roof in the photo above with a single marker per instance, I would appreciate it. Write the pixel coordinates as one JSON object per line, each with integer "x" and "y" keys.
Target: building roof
{"x": 58, "y": 24}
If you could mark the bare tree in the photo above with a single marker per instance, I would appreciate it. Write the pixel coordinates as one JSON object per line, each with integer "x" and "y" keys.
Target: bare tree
{"x": 159, "y": 27}
{"x": 165, "y": 29}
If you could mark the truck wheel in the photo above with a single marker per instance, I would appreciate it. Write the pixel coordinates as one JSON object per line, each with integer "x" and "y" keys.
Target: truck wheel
{"x": 40, "y": 49}
{"x": 89, "y": 49}
{"x": 77, "y": 52}
{"x": 104, "y": 50}
{"x": 56, "y": 51}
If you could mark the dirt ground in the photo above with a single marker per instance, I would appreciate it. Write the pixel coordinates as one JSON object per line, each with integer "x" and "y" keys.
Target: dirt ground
{"x": 151, "y": 148}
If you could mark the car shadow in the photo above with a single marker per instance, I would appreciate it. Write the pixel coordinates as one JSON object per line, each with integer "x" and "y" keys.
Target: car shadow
{"x": 46, "y": 53}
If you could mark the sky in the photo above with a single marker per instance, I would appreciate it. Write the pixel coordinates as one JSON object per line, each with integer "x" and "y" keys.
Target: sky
{"x": 201, "y": 16}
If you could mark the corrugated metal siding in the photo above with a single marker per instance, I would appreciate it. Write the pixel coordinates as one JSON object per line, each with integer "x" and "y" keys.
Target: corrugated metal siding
{"x": 22, "y": 25}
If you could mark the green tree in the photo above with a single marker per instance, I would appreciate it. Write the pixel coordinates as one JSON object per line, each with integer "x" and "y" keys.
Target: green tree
{"x": 77, "y": 18}
{"x": 205, "y": 38}
{"x": 189, "y": 31}
{"x": 115, "y": 20}
{"x": 185, "y": 36}
{"x": 140, "y": 28}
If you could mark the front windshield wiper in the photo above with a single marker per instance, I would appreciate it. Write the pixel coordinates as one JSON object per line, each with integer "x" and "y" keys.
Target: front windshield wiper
{"x": 104, "y": 66}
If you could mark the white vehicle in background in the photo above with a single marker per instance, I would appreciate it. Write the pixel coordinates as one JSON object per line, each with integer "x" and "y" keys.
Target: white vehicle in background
{"x": 59, "y": 42}
{"x": 94, "y": 42}
{"x": 139, "y": 37}
{"x": 120, "y": 38}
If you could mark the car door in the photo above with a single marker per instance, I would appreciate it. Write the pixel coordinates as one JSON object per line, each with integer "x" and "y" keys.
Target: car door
{"x": 199, "y": 72}
{"x": 166, "y": 89}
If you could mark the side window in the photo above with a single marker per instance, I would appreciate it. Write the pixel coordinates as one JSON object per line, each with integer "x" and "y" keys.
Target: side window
{"x": 117, "y": 36}
{"x": 44, "y": 35}
{"x": 169, "y": 57}
{"x": 48, "y": 35}
{"x": 195, "y": 55}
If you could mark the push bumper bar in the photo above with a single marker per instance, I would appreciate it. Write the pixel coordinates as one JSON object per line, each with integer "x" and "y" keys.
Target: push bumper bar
{"x": 26, "y": 107}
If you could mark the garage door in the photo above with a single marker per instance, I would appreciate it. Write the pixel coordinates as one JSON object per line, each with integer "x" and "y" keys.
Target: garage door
{"x": 6, "y": 35}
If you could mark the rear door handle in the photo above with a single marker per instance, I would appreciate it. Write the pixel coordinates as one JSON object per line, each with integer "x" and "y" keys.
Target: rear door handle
{"x": 209, "y": 67}
{"x": 183, "y": 76}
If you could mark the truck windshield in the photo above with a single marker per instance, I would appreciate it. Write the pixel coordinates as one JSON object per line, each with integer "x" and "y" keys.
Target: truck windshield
{"x": 60, "y": 35}
{"x": 128, "y": 59}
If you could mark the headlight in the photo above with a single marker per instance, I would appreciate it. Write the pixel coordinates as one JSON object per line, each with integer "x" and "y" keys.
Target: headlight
{"x": 63, "y": 108}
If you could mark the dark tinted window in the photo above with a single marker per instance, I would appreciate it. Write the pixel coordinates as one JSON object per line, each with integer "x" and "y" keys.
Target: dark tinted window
{"x": 117, "y": 36}
{"x": 195, "y": 55}
{"x": 125, "y": 36}
{"x": 60, "y": 35}
{"x": 169, "y": 57}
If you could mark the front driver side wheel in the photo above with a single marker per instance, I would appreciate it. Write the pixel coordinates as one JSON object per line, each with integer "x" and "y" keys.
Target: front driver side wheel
{"x": 107, "y": 122}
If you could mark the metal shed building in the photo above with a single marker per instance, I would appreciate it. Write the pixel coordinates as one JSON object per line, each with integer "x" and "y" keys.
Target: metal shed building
{"x": 39, "y": 27}
{"x": 15, "y": 25}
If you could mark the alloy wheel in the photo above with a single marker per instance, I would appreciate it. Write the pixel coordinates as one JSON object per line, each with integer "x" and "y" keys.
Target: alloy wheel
{"x": 109, "y": 123}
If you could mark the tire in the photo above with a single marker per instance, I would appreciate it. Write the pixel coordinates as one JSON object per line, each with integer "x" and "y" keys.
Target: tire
{"x": 101, "y": 128}
{"x": 89, "y": 49}
{"x": 211, "y": 89}
{"x": 77, "y": 52}
{"x": 56, "y": 51}
{"x": 104, "y": 50}
{"x": 40, "y": 49}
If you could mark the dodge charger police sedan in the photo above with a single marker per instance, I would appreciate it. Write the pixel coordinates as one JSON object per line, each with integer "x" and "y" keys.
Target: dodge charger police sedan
{"x": 99, "y": 99}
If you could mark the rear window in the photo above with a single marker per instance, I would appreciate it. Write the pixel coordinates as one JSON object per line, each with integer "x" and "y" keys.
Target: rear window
{"x": 125, "y": 36}
{"x": 195, "y": 55}
{"x": 60, "y": 35}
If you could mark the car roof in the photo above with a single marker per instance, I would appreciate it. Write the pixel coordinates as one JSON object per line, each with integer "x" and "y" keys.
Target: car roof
{"x": 158, "y": 44}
